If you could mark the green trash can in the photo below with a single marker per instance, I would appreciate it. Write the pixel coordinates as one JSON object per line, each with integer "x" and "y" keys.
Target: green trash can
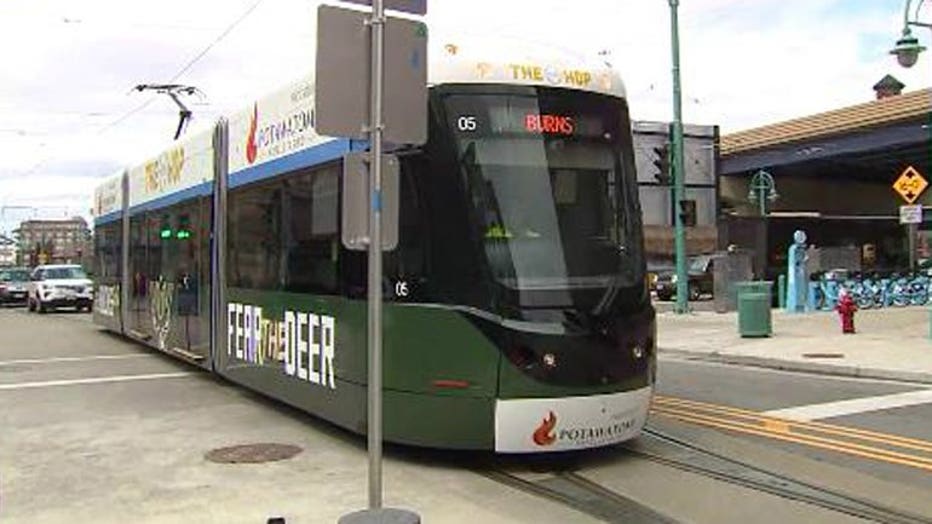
{"x": 754, "y": 303}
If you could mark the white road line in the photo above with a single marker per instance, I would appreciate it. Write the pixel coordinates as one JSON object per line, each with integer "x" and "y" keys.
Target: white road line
{"x": 802, "y": 374}
{"x": 98, "y": 380}
{"x": 854, "y": 406}
{"x": 53, "y": 360}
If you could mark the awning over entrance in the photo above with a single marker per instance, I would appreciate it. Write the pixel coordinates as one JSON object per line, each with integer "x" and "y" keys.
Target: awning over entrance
{"x": 833, "y": 175}
{"x": 870, "y": 141}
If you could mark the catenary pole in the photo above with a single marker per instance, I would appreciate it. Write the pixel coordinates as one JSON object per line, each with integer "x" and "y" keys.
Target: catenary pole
{"x": 679, "y": 173}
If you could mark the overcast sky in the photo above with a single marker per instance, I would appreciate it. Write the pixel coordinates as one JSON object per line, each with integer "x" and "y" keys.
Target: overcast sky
{"x": 68, "y": 115}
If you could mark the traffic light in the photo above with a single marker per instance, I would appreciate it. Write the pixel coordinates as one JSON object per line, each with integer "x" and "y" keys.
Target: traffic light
{"x": 165, "y": 229}
{"x": 663, "y": 175}
{"x": 184, "y": 227}
{"x": 688, "y": 210}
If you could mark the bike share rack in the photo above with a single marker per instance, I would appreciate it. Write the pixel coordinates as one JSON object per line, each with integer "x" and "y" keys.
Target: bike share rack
{"x": 872, "y": 292}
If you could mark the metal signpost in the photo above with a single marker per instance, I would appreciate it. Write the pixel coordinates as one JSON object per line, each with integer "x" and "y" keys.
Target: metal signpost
{"x": 415, "y": 7}
{"x": 911, "y": 216}
{"x": 341, "y": 102}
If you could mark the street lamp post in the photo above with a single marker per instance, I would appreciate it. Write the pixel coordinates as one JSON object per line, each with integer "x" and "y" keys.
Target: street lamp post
{"x": 761, "y": 189}
{"x": 907, "y": 47}
{"x": 677, "y": 165}
{"x": 907, "y": 53}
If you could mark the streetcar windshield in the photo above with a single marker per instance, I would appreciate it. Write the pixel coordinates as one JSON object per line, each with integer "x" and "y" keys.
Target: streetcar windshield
{"x": 555, "y": 201}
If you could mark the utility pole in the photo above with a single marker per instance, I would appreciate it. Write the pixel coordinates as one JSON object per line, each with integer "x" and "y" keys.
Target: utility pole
{"x": 679, "y": 172}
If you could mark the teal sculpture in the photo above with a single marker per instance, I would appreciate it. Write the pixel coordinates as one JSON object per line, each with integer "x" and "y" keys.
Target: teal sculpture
{"x": 797, "y": 278}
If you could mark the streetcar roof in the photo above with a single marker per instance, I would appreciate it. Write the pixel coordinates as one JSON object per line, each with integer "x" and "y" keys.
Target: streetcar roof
{"x": 108, "y": 195}
{"x": 504, "y": 61}
{"x": 187, "y": 164}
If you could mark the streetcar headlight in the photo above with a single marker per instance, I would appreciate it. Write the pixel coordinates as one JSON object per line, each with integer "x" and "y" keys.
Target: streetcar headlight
{"x": 637, "y": 351}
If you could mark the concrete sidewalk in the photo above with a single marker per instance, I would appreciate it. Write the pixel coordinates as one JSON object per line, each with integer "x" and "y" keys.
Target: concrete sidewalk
{"x": 890, "y": 343}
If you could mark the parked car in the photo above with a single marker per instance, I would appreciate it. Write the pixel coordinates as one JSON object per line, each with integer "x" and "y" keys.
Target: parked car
{"x": 700, "y": 273}
{"x": 53, "y": 286}
{"x": 13, "y": 284}
{"x": 654, "y": 270}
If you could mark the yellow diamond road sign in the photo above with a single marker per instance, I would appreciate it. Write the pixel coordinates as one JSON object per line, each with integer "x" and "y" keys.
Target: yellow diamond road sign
{"x": 910, "y": 185}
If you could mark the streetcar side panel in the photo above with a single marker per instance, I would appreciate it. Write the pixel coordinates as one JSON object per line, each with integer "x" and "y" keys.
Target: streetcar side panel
{"x": 108, "y": 253}
{"x": 169, "y": 211}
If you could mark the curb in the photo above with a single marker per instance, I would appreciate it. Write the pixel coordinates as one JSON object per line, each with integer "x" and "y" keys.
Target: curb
{"x": 805, "y": 367}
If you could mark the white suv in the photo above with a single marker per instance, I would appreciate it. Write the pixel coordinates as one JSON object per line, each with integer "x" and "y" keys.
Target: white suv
{"x": 55, "y": 286}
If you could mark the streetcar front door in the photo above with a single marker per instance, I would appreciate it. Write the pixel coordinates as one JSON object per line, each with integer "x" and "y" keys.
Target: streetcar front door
{"x": 181, "y": 298}
{"x": 189, "y": 268}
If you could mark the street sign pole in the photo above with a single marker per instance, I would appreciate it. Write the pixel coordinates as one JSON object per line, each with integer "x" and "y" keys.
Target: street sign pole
{"x": 344, "y": 109}
{"x": 375, "y": 258}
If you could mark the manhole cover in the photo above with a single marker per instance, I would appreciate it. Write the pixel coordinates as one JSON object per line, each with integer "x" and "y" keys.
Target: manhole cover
{"x": 823, "y": 355}
{"x": 252, "y": 453}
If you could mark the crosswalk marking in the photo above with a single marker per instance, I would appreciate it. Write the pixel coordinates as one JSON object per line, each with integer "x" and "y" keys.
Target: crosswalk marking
{"x": 853, "y": 406}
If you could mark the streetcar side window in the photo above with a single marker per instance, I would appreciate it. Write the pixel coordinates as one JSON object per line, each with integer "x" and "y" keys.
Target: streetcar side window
{"x": 404, "y": 266}
{"x": 107, "y": 247}
{"x": 311, "y": 231}
{"x": 137, "y": 255}
{"x": 284, "y": 234}
{"x": 155, "y": 250}
{"x": 254, "y": 237}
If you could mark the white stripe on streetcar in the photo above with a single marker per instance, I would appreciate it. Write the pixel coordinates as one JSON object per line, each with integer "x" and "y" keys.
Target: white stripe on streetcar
{"x": 854, "y": 406}
{"x": 98, "y": 380}
{"x": 53, "y": 360}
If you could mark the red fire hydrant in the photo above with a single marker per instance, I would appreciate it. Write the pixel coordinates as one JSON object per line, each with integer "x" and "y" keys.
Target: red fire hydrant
{"x": 846, "y": 308}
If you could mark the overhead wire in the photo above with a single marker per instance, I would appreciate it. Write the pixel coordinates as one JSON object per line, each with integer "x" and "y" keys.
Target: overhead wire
{"x": 187, "y": 66}
{"x": 176, "y": 76}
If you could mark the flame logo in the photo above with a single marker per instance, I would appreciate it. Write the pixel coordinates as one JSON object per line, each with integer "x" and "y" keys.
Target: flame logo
{"x": 251, "y": 150}
{"x": 543, "y": 434}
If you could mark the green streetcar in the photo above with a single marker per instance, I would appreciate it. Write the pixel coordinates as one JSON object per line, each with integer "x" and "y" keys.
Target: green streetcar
{"x": 517, "y": 317}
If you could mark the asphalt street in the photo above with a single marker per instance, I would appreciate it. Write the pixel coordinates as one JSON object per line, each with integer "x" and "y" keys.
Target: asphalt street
{"x": 774, "y": 392}
{"x": 94, "y": 428}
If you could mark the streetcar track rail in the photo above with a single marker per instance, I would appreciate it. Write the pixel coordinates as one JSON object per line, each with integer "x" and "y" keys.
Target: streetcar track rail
{"x": 893, "y": 449}
{"x": 701, "y": 461}
{"x": 573, "y": 490}
{"x": 564, "y": 482}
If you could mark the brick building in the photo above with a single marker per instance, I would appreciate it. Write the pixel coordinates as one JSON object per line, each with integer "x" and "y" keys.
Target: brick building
{"x": 7, "y": 251}
{"x": 54, "y": 241}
